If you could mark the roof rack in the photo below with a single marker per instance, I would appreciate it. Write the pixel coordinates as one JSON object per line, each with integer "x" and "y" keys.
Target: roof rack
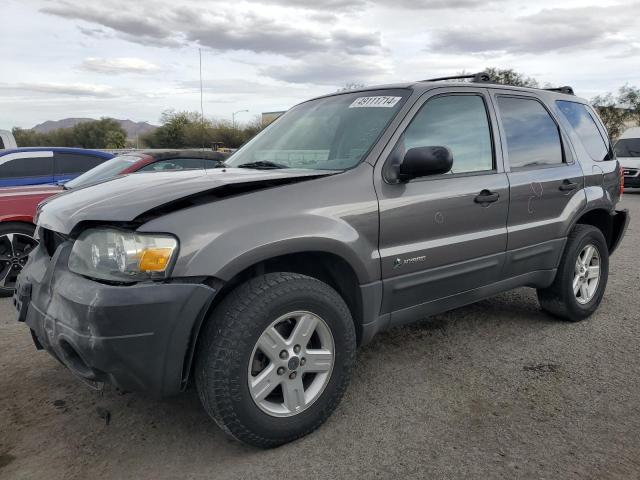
{"x": 566, "y": 89}
{"x": 484, "y": 77}
{"x": 481, "y": 77}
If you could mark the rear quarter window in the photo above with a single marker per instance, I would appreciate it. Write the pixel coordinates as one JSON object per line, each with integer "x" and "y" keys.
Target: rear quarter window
{"x": 75, "y": 162}
{"x": 29, "y": 165}
{"x": 586, "y": 128}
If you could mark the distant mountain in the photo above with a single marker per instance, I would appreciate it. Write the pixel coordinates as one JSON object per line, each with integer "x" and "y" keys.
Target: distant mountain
{"x": 132, "y": 128}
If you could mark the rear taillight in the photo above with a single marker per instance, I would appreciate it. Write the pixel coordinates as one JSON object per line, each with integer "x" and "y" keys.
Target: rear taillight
{"x": 621, "y": 181}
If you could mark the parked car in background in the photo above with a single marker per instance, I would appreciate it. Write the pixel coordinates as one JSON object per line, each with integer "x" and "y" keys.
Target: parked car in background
{"x": 7, "y": 140}
{"x": 627, "y": 149}
{"x": 18, "y": 204}
{"x": 42, "y": 165}
{"x": 149, "y": 161}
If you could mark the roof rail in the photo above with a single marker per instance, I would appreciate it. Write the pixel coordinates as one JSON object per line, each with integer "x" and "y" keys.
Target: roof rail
{"x": 566, "y": 89}
{"x": 481, "y": 77}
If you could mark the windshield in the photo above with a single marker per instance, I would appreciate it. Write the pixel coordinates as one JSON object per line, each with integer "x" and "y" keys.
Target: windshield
{"x": 628, "y": 147}
{"x": 331, "y": 133}
{"x": 105, "y": 170}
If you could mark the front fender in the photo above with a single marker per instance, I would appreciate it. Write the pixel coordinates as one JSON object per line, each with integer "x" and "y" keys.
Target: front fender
{"x": 337, "y": 214}
{"x": 233, "y": 251}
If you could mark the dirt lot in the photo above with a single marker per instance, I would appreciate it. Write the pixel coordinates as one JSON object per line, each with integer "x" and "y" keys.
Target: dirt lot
{"x": 494, "y": 390}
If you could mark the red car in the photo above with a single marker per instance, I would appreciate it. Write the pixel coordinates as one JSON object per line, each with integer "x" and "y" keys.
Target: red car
{"x": 18, "y": 204}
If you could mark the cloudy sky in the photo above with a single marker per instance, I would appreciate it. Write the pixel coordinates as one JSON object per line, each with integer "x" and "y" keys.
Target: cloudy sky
{"x": 135, "y": 58}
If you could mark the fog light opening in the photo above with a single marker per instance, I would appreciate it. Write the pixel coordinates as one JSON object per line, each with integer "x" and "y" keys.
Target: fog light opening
{"x": 74, "y": 361}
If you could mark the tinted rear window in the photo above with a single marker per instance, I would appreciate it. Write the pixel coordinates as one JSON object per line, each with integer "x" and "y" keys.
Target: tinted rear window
{"x": 586, "y": 128}
{"x": 26, "y": 167}
{"x": 628, "y": 147}
{"x": 75, "y": 162}
{"x": 533, "y": 138}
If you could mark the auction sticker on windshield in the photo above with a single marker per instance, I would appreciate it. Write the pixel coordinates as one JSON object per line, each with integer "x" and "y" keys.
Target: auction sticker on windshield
{"x": 379, "y": 101}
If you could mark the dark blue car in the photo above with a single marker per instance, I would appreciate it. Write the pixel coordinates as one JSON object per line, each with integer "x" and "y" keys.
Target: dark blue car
{"x": 39, "y": 165}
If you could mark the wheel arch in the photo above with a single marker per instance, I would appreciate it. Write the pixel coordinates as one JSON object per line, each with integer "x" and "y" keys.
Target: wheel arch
{"x": 327, "y": 267}
{"x": 26, "y": 219}
{"x": 612, "y": 225}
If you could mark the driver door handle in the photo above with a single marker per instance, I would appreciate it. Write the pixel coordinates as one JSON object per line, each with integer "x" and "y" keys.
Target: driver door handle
{"x": 486, "y": 196}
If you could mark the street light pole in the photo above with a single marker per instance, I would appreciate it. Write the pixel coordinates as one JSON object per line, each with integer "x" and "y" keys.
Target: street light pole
{"x": 233, "y": 117}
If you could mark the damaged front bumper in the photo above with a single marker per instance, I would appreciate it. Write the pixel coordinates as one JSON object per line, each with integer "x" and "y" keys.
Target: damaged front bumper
{"x": 137, "y": 337}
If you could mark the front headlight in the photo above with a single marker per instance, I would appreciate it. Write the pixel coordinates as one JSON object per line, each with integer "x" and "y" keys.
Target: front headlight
{"x": 122, "y": 256}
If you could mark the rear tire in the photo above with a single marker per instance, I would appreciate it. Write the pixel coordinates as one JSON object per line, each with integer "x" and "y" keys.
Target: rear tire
{"x": 232, "y": 345}
{"x": 578, "y": 288}
{"x": 16, "y": 242}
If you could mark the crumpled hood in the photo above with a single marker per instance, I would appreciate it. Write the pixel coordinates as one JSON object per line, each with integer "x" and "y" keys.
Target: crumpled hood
{"x": 126, "y": 198}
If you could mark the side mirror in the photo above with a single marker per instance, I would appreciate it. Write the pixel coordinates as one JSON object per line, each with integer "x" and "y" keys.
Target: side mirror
{"x": 424, "y": 161}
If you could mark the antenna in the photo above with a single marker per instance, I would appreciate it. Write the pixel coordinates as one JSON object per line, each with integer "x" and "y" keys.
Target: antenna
{"x": 201, "y": 102}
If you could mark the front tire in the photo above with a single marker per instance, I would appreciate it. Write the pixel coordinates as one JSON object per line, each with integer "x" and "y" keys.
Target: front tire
{"x": 275, "y": 358}
{"x": 582, "y": 276}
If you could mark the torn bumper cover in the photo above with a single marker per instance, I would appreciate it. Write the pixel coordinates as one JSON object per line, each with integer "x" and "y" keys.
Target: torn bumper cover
{"x": 136, "y": 337}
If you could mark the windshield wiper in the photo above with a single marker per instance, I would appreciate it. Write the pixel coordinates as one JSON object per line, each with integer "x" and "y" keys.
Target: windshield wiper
{"x": 262, "y": 165}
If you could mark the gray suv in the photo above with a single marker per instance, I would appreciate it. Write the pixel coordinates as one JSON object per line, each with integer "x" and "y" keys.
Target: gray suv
{"x": 352, "y": 213}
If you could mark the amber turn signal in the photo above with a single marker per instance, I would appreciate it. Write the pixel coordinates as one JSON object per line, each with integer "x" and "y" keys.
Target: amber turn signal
{"x": 154, "y": 259}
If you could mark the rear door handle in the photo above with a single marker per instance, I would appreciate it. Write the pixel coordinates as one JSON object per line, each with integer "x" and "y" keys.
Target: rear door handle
{"x": 486, "y": 196}
{"x": 567, "y": 185}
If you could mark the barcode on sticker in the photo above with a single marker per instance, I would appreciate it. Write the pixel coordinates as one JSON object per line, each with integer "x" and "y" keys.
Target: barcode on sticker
{"x": 379, "y": 101}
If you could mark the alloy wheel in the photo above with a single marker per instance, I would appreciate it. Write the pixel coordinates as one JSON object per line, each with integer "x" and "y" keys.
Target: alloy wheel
{"x": 14, "y": 250}
{"x": 291, "y": 364}
{"x": 586, "y": 274}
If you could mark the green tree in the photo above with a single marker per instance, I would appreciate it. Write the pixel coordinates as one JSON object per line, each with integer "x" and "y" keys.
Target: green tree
{"x": 115, "y": 139}
{"x": 612, "y": 115}
{"x": 188, "y": 130}
{"x": 103, "y": 133}
{"x": 24, "y": 137}
{"x": 508, "y": 76}
{"x": 172, "y": 132}
{"x": 350, "y": 86}
{"x": 94, "y": 134}
{"x": 629, "y": 97}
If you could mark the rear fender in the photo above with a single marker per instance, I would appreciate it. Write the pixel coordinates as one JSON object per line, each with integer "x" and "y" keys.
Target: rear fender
{"x": 620, "y": 223}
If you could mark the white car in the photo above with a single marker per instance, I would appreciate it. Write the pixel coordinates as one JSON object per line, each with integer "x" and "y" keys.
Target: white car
{"x": 628, "y": 152}
{"x": 6, "y": 140}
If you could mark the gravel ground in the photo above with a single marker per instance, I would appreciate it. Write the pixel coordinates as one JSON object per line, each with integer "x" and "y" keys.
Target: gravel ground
{"x": 494, "y": 390}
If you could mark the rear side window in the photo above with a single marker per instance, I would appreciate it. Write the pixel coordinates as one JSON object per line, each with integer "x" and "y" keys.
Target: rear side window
{"x": 174, "y": 164}
{"x": 75, "y": 162}
{"x": 533, "y": 138}
{"x": 458, "y": 122}
{"x": 1, "y": 144}
{"x": 210, "y": 163}
{"x": 586, "y": 128}
{"x": 628, "y": 147}
{"x": 12, "y": 166}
